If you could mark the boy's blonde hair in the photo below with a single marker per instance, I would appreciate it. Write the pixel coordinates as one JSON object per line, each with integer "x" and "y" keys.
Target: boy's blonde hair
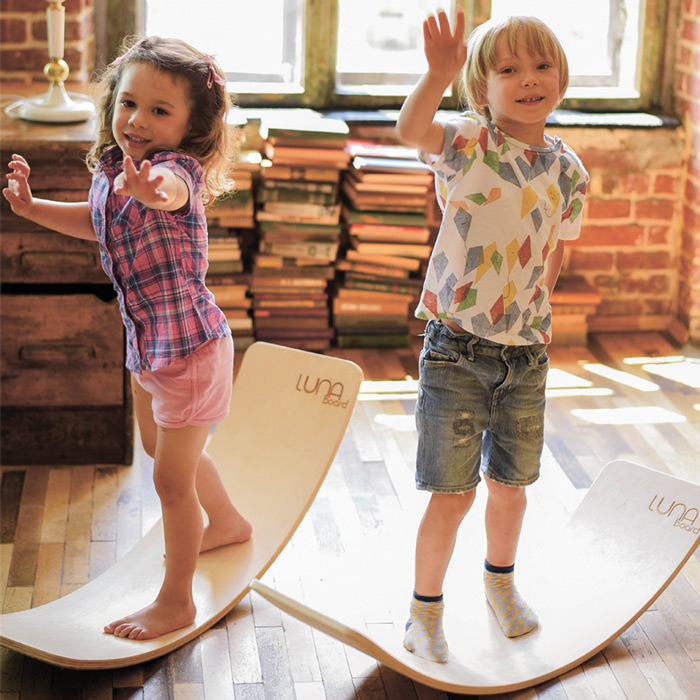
{"x": 481, "y": 54}
{"x": 208, "y": 139}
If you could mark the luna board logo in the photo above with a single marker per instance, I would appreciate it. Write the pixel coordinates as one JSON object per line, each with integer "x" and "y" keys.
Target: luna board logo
{"x": 331, "y": 392}
{"x": 683, "y": 517}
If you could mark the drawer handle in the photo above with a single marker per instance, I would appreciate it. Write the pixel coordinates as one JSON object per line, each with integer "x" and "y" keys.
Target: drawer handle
{"x": 56, "y": 259}
{"x": 56, "y": 353}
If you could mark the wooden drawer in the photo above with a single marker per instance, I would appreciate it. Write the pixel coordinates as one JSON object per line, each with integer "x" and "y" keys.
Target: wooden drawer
{"x": 61, "y": 350}
{"x": 48, "y": 258}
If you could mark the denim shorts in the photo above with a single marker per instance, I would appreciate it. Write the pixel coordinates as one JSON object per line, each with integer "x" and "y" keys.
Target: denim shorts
{"x": 195, "y": 390}
{"x": 480, "y": 408}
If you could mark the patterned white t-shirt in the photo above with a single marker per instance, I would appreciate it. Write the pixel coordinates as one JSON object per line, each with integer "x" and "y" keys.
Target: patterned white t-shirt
{"x": 505, "y": 206}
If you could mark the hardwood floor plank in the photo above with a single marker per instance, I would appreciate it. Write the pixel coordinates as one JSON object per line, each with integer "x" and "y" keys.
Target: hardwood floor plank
{"x": 243, "y": 646}
{"x": 55, "y": 521}
{"x": 104, "y": 499}
{"x": 672, "y": 653}
{"x": 188, "y": 691}
{"x": 77, "y": 554}
{"x": 47, "y": 585}
{"x": 274, "y": 663}
{"x": 216, "y": 670}
{"x": 10, "y": 499}
{"x": 627, "y": 672}
{"x": 335, "y": 670}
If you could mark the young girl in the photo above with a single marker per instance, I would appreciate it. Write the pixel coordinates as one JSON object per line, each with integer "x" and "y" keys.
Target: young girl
{"x": 511, "y": 196}
{"x": 160, "y": 154}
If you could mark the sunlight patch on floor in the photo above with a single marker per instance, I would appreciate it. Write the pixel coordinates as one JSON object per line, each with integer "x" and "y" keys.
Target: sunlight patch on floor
{"x": 620, "y": 377}
{"x": 633, "y": 415}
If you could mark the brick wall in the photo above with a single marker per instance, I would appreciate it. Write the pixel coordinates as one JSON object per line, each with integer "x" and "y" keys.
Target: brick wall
{"x": 687, "y": 90}
{"x": 24, "y": 44}
{"x": 629, "y": 241}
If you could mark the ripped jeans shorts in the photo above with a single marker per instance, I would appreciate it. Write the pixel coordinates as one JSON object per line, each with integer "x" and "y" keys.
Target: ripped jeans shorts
{"x": 480, "y": 408}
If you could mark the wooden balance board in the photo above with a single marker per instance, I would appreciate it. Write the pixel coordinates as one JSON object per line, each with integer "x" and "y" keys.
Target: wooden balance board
{"x": 624, "y": 543}
{"x": 289, "y": 412}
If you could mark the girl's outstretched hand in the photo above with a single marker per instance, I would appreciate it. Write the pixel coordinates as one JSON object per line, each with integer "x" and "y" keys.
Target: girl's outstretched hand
{"x": 18, "y": 193}
{"x": 140, "y": 184}
{"x": 446, "y": 51}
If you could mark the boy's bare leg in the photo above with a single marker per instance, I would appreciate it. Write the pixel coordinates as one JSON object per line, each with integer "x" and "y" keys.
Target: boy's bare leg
{"x": 435, "y": 543}
{"x": 436, "y": 539}
{"x": 177, "y": 455}
{"x": 505, "y": 509}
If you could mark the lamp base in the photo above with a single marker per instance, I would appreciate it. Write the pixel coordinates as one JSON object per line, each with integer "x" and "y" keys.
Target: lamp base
{"x": 56, "y": 106}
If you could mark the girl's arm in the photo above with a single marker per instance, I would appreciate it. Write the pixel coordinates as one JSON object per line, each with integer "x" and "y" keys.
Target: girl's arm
{"x": 154, "y": 186}
{"x": 71, "y": 218}
{"x": 446, "y": 53}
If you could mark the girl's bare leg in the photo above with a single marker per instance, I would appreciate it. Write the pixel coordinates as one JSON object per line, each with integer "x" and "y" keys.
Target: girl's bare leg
{"x": 225, "y": 524}
{"x": 177, "y": 455}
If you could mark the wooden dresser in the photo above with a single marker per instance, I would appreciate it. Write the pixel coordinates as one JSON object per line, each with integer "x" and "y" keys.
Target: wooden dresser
{"x": 64, "y": 396}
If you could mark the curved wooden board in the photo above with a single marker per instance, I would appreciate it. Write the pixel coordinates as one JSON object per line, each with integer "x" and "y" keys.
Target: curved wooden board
{"x": 628, "y": 538}
{"x": 289, "y": 412}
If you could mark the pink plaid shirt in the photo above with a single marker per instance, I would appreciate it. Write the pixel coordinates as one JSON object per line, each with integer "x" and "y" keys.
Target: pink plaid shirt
{"x": 157, "y": 261}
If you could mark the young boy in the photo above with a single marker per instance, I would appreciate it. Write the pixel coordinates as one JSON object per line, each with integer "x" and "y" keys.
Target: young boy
{"x": 510, "y": 197}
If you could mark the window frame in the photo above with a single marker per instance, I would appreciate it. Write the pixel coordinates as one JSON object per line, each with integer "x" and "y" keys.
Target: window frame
{"x": 655, "y": 77}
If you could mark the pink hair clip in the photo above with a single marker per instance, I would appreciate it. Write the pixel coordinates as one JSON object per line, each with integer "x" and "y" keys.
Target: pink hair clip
{"x": 214, "y": 77}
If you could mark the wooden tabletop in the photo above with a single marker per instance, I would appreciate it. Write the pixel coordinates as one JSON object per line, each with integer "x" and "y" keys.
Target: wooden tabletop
{"x": 19, "y": 131}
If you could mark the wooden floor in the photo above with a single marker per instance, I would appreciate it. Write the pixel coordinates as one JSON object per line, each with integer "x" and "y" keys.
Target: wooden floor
{"x": 62, "y": 526}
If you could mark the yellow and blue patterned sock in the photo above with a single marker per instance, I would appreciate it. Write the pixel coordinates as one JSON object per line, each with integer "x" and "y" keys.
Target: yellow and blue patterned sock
{"x": 424, "y": 634}
{"x": 513, "y": 614}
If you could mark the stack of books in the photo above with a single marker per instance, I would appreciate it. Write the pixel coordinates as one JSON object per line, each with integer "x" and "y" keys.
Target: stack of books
{"x": 387, "y": 192}
{"x": 298, "y": 218}
{"x": 231, "y": 223}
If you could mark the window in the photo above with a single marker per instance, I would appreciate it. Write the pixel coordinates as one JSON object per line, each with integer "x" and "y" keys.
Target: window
{"x": 259, "y": 45}
{"x": 369, "y": 53}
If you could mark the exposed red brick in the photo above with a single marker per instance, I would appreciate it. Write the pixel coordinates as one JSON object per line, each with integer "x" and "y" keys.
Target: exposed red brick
{"x": 630, "y": 234}
{"x": 609, "y": 183}
{"x": 659, "y": 235}
{"x": 24, "y": 5}
{"x": 585, "y": 260}
{"x": 690, "y": 30}
{"x": 634, "y": 183}
{"x": 608, "y": 160}
{"x": 691, "y": 219}
{"x": 643, "y": 260}
{"x": 615, "y": 307}
{"x": 656, "y": 284}
{"x": 666, "y": 184}
{"x": 23, "y": 59}
{"x": 13, "y": 31}
{"x": 608, "y": 208}
{"x": 654, "y": 209}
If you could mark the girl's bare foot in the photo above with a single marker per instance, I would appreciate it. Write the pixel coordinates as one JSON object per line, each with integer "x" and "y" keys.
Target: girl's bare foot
{"x": 153, "y": 621}
{"x": 219, "y": 535}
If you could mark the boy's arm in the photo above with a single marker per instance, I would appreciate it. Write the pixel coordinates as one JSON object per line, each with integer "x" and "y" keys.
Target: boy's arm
{"x": 71, "y": 218}
{"x": 553, "y": 266}
{"x": 446, "y": 53}
{"x": 154, "y": 186}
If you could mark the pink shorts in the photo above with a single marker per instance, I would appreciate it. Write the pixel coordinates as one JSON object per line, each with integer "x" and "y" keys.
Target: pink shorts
{"x": 195, "y": 390}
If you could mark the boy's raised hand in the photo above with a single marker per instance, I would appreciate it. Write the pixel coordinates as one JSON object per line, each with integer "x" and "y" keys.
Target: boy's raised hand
{"x": 18, "y": 193}
{"x": 140, "y": 184}
{"x": 446, "y": 51}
